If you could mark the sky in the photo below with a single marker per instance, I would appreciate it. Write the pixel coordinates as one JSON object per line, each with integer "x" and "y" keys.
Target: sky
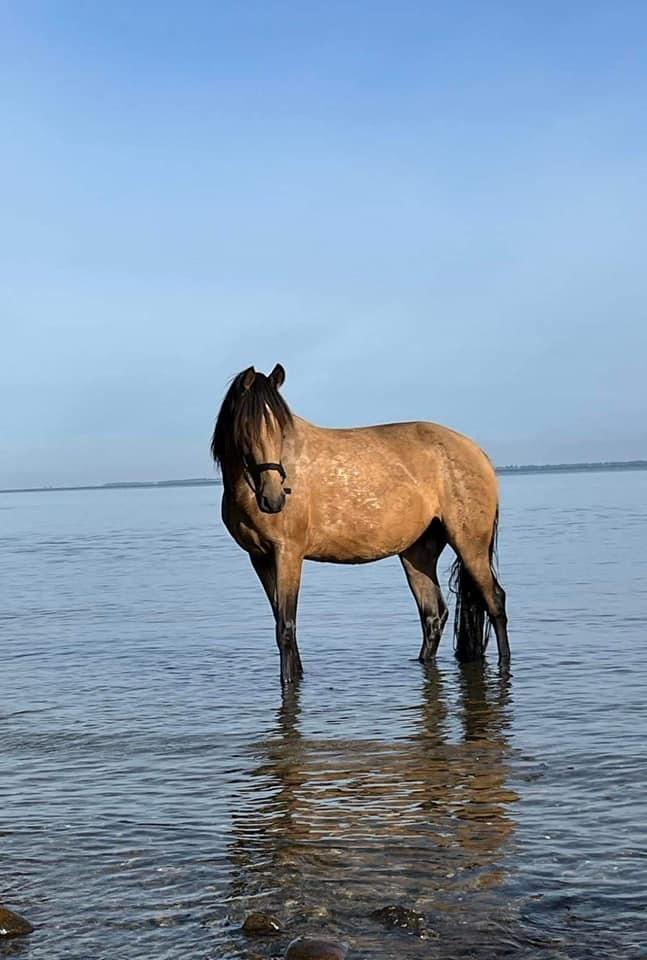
{"x": 423, "y": 210}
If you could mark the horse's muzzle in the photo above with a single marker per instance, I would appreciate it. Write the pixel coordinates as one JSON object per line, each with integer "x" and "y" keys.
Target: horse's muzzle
{"x": 270, "y": 504}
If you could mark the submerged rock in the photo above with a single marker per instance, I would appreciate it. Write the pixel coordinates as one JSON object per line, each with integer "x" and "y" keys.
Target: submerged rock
{"x": 311, "y": 914}
{"x": 310, "y": 948}
{"x": 261, "y": 925}
{"x": 396, "y": 916}
{"x": 12, "y": 925}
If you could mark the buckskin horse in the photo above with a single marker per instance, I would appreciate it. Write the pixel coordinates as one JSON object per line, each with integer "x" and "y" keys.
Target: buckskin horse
{"x": 293, "y": 491}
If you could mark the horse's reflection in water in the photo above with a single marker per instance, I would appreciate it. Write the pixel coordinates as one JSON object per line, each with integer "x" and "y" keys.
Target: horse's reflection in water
{"x": 330, "y": 830}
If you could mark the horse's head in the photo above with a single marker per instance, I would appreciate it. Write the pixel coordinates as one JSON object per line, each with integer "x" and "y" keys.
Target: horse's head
{"x": 249, "y": 432}
{"x": 264, "y": 447}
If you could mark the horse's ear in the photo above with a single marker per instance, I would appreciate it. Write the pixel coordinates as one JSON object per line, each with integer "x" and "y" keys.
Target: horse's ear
{"x": 248, "y": 378}
{"x": 277, "y": 376}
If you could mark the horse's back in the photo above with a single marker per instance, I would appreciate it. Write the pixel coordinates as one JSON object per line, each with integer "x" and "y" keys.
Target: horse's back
{"x": 427, "y": 451}
{"x": 370, "y": 492}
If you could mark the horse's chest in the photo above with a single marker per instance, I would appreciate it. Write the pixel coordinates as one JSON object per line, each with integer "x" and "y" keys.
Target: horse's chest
{"x": 245, "y": 535}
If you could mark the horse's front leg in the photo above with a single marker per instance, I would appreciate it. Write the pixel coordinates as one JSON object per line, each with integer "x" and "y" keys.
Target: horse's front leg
{"x": 263, "y": 564}
{"x": 288, "y": 581}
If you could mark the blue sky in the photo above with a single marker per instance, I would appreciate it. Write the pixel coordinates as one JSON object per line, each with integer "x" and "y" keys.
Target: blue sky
{"x": 423, "y": 210}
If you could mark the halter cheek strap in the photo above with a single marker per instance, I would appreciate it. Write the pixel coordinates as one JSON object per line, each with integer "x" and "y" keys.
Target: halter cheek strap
{"x": 260, "y": 467}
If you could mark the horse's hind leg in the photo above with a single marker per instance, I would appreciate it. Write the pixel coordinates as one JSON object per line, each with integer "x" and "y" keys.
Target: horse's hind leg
{"x": 419, "y": 562}
{"x": 478, "y": 565}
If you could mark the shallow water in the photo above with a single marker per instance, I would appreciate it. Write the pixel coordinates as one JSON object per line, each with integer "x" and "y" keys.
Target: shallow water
{"x": 155, "y": 788}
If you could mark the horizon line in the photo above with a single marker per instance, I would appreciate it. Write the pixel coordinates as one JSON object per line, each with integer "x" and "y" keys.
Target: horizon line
{"x": 577, "y": 467}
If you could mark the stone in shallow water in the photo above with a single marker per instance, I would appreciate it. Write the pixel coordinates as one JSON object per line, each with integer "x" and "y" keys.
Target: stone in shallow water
{"x": 396, "y": 916}
{"x": 11, "y": 925}
{"x": 261, "y": 925}
{"x": 311, "y": 914}
{"x": 309, "y": 948}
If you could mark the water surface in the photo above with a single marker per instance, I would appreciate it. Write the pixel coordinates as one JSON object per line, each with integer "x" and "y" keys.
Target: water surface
{"x": 155, "y": 787}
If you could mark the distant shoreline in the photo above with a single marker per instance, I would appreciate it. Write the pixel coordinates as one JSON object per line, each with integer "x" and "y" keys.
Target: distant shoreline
{"x": 528, "y": 468}
{"x": 602, "y": 466}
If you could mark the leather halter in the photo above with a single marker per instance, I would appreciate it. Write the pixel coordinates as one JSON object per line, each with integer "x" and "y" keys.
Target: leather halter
{"x": 257, "y": 469}
{"x": 260, "y": 467}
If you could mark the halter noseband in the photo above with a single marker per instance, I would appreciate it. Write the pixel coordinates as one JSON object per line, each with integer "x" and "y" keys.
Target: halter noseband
{"x": 258, "y": 469}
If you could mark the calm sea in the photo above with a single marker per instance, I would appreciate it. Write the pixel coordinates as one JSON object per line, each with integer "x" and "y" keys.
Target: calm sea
{"x": 154, "y": 788}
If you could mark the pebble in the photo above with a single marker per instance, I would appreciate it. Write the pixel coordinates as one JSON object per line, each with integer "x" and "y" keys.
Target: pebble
{"x": 11, "y": 925}
{"x": 309, "y": 948}
{"x": 316, "y": 913}
{"x": 396, "y": 916}
{"x": 261, "y": 925}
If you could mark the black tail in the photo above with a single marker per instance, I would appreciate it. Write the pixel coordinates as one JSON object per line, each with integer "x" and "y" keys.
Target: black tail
{"x": 471, "y": 623}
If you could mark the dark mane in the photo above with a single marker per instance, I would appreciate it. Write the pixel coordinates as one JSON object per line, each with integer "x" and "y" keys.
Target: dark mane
{"x": 242, "y": 415}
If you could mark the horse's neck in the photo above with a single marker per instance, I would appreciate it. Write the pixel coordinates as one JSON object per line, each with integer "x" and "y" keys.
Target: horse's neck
{"x": 233, "y": 475}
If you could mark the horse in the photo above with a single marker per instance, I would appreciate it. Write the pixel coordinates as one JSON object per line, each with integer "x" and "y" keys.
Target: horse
{"x": 294, "y": 491}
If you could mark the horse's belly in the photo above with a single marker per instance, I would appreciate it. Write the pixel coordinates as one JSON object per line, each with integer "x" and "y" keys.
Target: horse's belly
{"x": 337, "y": 556}
{"x": 356, "y": 542}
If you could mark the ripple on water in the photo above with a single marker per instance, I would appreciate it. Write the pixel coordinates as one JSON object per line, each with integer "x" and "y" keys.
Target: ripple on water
{"x": 157, "y": 790}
